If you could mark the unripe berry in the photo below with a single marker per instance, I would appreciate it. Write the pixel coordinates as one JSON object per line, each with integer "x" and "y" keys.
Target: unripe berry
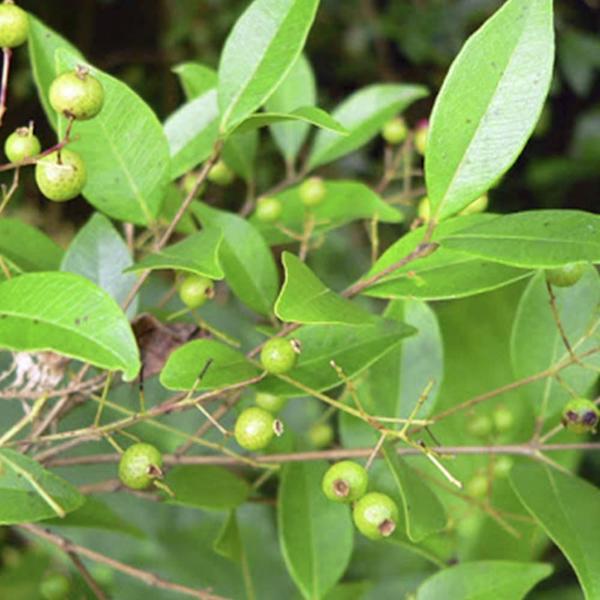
{"x": 21, "y": 144}
{"x": 395, "y": 131}
{"x": 477, "y": 486}
{"x": 312, "y": 192}
{"x": 424, "y": 209}
{"x": 320, "y": 435}
{"x": 421, "y": 133}
{"x": 502, "y": 466}
{"x": 140, "y": 465}
{"x": 188, "y": 183}
{"x": 268, "y": 210}
{"x": 77, "y": 94}
{"x": 55, "y": 587}
{"x": 580, "y": 416}
{"x": 565, "y": 276}
{"x": 480, "y": 426}
{"x": 278, "y": 356}
{"x": 477, "y": 206}
{"x": 195, "y": 290}
{"x": 270, "y": 402}
{"x": 221, "y": 174}
{"x": 61, "y": 175}
{"x": 14, "y": 26}
{"x": 503, "y": 419}
{"x": 255, "y": 428}
{"x": 345, "y": 481}
{"x": 375, "y": 515}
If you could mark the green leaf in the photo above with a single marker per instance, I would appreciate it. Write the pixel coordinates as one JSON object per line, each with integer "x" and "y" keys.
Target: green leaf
{"x": 247, "y": 261}
{"x": 125, "y": 151}
{"x": 568, "y": 510}
{"x": 195, "y": 78}
{"x": 261, "y": 49}
{"x": 535, "y": 239}
{"x": 352, "y": 348}
{"x": 316, "y": 535}
{"x": 477, "y": 131}
{"x": 206, "y": 487}
{"x": 304, "y": 298}
{"x": 197, "y": 253}
{"x": 227, "y": 366}
{"x": 296, "y": 90}
{"x": 43, "y": 44}
{"x": 99, "y": 253}
{"x": 446, "y": 273}
{"x": 68, "y": 314}
{"x": 484, "y": 580}
{"x": 239, "y": 153}
{"x": 423, "y": 512}
{"x": 30, "y": 493}
{"x": 229, "y": 541}
{"x": 536, "y": 343}
{"x": 346, "y": 201}
{"x": 363, "y": 114}
{"x": 27, "y": 248}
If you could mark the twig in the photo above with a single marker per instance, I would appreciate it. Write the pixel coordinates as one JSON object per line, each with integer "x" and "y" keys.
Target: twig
{"x": 7, "y": 56}
{"x": 87, "y": 576}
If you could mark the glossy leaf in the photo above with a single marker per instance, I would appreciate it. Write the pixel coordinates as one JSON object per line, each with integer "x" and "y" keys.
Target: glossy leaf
{"x": 478, "y": 131}
{"x": 534, "y": 239}
{"x": 296, "y": 90}
{"x": 311, "y": 115}
{"x": 206, "y": 487}
{"x": 316, "y": 535}
{"x": 70, "y": 315}
{"x": 245, "y": 257}
{"x": 352, "y": 348}
{"x": 99, "y": 253}
{"x": 261, "y": 49}
{"x": 568, "y": 509}
{"x": 195, "y": 78}
{"x": 484, "y": 580}
{"x": 184, "y": 365}
{"x": 363, "y": 114}
{"x": 22, "y": 501}
{"x": 197, "y": 253}
{"x": 536, "y": 343}
{"x": 423, "y": 512}
{"x": 346, "y": 201}
{"x": 27, "y": 248}
{"x": 446, "y": 273}
{"x": 304, "y": 298}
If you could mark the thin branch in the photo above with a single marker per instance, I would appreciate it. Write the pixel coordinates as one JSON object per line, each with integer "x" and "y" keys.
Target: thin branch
{"x": 7, "y": 56}
{"x": 87, "y": 576}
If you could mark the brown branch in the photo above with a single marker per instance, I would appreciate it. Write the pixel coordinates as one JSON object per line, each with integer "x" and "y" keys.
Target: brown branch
{"x": 87, "y": 576}
{"x": 7, "y": 56}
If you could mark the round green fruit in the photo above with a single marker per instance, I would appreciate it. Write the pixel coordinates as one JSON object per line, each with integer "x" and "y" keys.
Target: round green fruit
{"x": 77, "y": 94}
{"x": 345, "y": 481}
{"x": 503, "y": 419}
{"x": 21, "y": 144}
{"x": 480, "y": 426}
{"x": 502, "y": 466}
{"x": 195, "y": 290}
{"x": 140, "y": 465}
{"x": 477, "y": 486}
{"x": 312, "y": 192}
{"x": 55, "y": 587}
{"x": 14, "y": 26}
{"x": 255, "y": 428}
{"x": 320, "y": 435}
{"x": 424, "y": 209}
{"x": 421, "y": 136}
{"x": 221, "y": 174}
{"x": 278, "y": 356}
{"x": 268, "y": 210}
{"x": 395, "y": 131}
{"x": 477, "y": 206}
{"x": 580, "y": 416}
{"x": 61, "y": 175}
{"x": 375, "y": 515}
{"x": 565, "y": 276}
{"x": 270, "y": 402}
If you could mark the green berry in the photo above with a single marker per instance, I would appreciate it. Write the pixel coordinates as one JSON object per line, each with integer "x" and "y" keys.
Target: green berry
{"x": 278, "y": 356}
{"x": 255, "y": 428}
{"x": 502, "y": 466}
{"x": 188, "y": 183}
{"x": 268, "y": 210}
{"x": 140, "y": 465}
{"x": 503, "y": 419}
{"x": 61, "y": 175}
{"x": 375, "y": 515}
{"x": 195, "y": 290}
{"x": 477, "y": 206}
{"x": 77, "y": 94}
{"x": 345, "y": 481}
{"x": 421, "y": 136}
{"x": 480, "y": 426}
{"x": 424, "y": 209}
{"x": 580, "y": 416}
{"x": 21, "y": 144}
{"x": 320, "y": 435}
{"x": 395, "y": 131}
{"x": 477, "y": 486}
{"x": 565, "y": 276}
{"x": 55, "y": 587}
{"x": 221, "y": 174}
{"x": 14, "y": 26}
{"x": 312, "y": 192}
{"x": 270, "y": 402}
